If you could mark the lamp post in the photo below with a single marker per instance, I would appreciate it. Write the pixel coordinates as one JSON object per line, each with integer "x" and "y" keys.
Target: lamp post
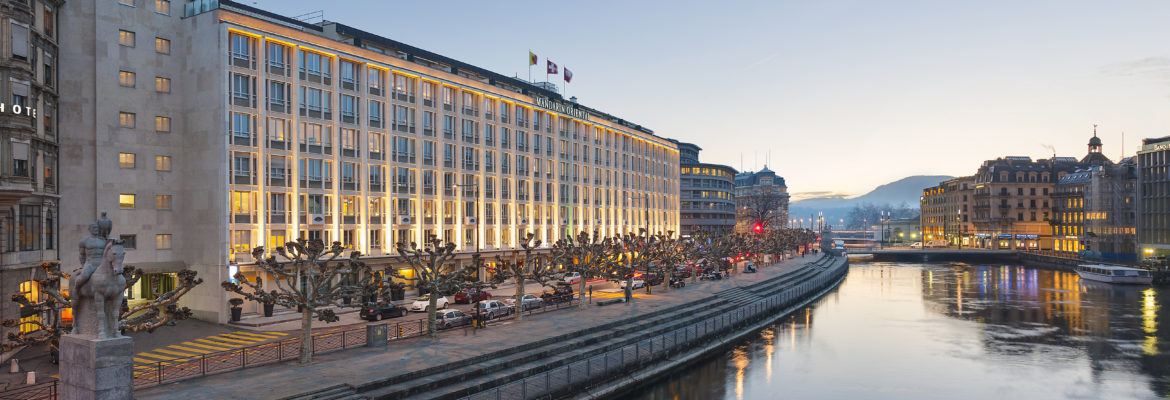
{"x": 475, "y": 237}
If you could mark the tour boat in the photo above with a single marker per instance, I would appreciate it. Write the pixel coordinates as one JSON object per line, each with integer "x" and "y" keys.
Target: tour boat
{"x": 1114, "y": 274}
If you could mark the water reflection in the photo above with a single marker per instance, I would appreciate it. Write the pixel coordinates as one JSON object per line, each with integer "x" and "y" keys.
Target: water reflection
{"x": 899, "y": 331}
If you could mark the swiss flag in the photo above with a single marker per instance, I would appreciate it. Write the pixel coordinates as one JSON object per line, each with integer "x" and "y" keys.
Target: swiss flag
{"x": 568, "y": 75}
{"x": 552, "y": 68}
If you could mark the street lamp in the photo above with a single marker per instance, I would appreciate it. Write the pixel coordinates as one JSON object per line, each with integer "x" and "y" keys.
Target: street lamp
{"x": 475, "y": 237}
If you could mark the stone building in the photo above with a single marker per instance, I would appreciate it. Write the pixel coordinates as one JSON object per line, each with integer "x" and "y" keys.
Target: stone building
{"x": 760, "y": 196}
{"x": 216, "y": 127}
{"x": 957, "y": 226}
{"x": 932, "y": 215}
{"x": 706, "y": 193}
{"x": 29, "y": 186}
{"x": 1153, "y": 214}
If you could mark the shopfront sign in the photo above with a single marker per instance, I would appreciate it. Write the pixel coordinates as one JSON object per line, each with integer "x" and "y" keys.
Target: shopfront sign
{"x": 1027, "y": 236}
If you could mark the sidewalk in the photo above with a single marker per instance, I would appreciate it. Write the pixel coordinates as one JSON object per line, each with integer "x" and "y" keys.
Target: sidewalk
{"x": 362, "y": 365}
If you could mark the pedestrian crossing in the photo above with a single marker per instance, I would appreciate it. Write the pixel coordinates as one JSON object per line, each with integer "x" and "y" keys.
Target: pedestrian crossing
{"x": 146, "y": 361}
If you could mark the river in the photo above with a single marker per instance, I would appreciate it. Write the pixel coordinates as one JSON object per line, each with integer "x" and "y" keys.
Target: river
{"x": 949, "y": 330}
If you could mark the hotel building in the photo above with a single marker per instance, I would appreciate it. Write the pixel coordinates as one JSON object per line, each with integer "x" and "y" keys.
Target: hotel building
{"x": 212, "y": 129}
{"x": 1153, "y": 214}
{"x": 765, "y": 190}
{"x": 29, "y": 140}
{"x": 707, "y": 194}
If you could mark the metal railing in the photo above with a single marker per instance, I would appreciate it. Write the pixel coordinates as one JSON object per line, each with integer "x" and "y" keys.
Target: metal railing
{"x": 41, "y": 391}
{"x": 623, "y": 361}
{"x": 155, "y": 373}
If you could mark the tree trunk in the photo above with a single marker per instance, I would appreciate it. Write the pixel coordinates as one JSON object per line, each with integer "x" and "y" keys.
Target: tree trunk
{"x": 519, "y": 294}
{"x": 666, "y": 282}
{"x": 306, "y": 335}
{"x": 582, "y": 292}
{"x": 432, "y": 312}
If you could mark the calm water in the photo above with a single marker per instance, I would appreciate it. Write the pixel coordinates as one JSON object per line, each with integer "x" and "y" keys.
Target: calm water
{"x": 956, "y": 331}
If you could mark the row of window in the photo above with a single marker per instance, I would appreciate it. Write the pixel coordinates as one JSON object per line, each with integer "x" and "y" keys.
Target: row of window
{"x": 128, "y": 79}
{"x": 129, "y": 161}
{"x": 130, "y": 120}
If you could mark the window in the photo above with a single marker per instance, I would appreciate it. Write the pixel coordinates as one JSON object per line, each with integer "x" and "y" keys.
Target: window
{"x": 126, "y": 78}
{"x": 49, "y": 20}
{"x": 162, "y": 46}
{"x": 126, "y": 200}
{"x": 162, "y": 124}
{"x": 129, "y": 242}
{"x": 126, "y": 160}
{"x": 162, "y": 163}
{"x": 162, "y": 85}
{"x": 242, "y": 49}
{"x": 162, "y": 7}
{"x": 162, "y": 201}
{"x": 162, "y": 241}
{"x": 125, "y": 38}
{"x": 19, "y": 40}
{"x": 126, "y": 119}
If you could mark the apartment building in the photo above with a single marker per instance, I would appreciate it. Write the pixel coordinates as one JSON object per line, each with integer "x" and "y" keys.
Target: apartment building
{"x": 29, "y": 187}
{"x": 251, "y": 129}
{"x": 758, "y": 195}
{"x": 957, "y": 226}
{"x": 932, "y": 213}
{"x": 707, "y": 194}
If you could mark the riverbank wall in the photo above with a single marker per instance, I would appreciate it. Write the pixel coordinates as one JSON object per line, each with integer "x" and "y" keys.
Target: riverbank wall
{"x": 799, "y": 297}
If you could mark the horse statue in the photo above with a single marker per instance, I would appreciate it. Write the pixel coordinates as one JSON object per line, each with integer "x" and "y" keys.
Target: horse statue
{"x": 98, "y": 288}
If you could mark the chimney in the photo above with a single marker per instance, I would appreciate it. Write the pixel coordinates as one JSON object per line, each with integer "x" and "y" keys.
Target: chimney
{"x": 573, "y": 99}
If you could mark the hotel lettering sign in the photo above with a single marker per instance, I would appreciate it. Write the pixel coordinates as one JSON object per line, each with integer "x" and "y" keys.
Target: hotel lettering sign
{"x": 562, "y": 108}
{"x": 18, "y": 110}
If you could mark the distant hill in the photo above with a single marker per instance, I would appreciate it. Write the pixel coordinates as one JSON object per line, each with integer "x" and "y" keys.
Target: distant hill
{"x": 905, "y": 191}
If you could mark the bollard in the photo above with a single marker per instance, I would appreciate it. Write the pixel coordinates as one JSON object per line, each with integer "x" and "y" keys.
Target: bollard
{"x": 14, "y": 367}
{"x": 31, "y": 378}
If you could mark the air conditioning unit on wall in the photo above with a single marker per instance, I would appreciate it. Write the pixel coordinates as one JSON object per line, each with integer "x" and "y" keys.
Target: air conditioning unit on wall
{"x": 316, "y": 219}
{"x": 405, "y": 220}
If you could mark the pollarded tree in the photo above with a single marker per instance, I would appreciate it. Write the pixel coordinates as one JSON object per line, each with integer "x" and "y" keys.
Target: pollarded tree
{"x": 312, "y": 279}
{"x": 533, "y": 267}
{"x": 162, "y": 310}
{"x": 590, "y": 256}
{"x": 434, "y": 274}
{"x": 669, "y": 253}
{"x": 636, "y": 253}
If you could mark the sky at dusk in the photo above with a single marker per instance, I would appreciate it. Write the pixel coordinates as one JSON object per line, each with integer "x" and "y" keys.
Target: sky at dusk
{"x": 845, "y": 96}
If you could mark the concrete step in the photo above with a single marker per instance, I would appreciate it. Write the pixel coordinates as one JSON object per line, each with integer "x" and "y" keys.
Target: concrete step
{"x": 329, "y": 393}
{"x": 481, "y": 377}
{"x": 431, "y": 376}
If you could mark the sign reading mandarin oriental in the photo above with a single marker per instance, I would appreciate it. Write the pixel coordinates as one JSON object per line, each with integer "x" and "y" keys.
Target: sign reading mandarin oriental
{"x": 562, "y": 108}
{"x": 18, "y": 109}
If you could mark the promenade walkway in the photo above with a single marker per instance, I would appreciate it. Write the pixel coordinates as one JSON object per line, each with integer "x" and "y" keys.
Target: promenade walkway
{"x": 361, "y": 365}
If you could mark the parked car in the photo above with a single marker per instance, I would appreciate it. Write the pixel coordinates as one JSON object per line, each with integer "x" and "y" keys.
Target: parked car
{"x": 937, "y": 243}
{"x": 652, "y": 279}
{"x": 374, "y": 313}
{"x": 425, "y": 301}
{"x": 451, "y": 318}
{"x": 468, "y": 296}
{"x": 916, "y": 245}
{"x": 638, "y": 283}
{"x": 494, "y": 309}
{"x": 528, "y": 302}
{"x": 683, "y": 272}
{"x": 573, "y": 278}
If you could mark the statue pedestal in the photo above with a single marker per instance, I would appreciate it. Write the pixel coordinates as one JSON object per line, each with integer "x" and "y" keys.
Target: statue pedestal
{"x": 96, "y": 369}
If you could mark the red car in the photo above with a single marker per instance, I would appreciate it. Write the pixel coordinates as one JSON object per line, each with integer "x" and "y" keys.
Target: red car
{"x": 468, "y": 296}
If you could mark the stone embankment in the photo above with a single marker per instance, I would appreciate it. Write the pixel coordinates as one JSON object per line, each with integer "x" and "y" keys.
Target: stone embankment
{"x": 605, "y": 359}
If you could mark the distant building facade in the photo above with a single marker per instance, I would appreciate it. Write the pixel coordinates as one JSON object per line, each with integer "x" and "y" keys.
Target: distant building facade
{"x": 957, "y": 226}
{"x": 706, "y": 194}
{"x": 932, "y": 212}
{"x": 1153, "y": 215}
{"x": 760, "y": 193}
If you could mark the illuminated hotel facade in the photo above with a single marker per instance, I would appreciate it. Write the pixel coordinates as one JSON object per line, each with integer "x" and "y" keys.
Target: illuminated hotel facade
{"x": 270, "y": 129}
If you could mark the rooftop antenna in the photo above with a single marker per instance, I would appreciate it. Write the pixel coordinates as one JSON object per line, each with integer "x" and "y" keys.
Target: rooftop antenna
{"x": 1122, "y": 146}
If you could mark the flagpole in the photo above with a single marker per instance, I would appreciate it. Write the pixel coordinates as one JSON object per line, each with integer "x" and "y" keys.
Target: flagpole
{"x": 530, "y": 64}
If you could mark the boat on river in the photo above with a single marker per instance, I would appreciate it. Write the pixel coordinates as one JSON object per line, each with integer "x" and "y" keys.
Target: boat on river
{"x": 1115, "y": 274}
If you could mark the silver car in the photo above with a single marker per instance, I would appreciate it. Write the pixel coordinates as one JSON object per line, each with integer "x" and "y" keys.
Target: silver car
{"x": 451, "y": 318}
{"x": 493, "y": 309}
{"x": 528, "y": 302}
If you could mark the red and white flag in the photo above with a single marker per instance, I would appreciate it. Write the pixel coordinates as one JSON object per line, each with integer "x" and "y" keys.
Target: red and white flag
{"x": 568, "y": 75}
{"x": 552, "y": 68}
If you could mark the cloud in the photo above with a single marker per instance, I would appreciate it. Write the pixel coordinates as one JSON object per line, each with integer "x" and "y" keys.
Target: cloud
{"x": 1149, "y": 67}
{"x": 798, "y": 196}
